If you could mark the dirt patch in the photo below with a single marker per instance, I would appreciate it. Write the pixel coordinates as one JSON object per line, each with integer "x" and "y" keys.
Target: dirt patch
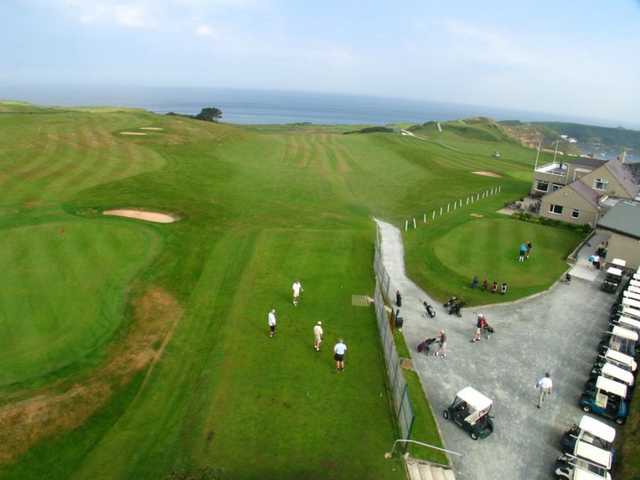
{"x": 476, "y": 215}
{"x": 133, "y": 133}
{"x": 156, "y": 217}
{"x": 59, "y": 408}
{"x": 487, "y": 174}
{"x": 155, "y": 129}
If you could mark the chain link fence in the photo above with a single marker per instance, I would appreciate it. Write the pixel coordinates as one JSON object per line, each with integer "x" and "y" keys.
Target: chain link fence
{"x": 397, "y": 384}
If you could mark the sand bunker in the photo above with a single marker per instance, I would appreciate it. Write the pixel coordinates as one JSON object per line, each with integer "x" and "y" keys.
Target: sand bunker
{"x": 151, "y": 128}
{"x": 156, "y": 217}
{"x": 132, "y": 133}
{"x": 487, "y": 174}
{"x": 476, "y": 215}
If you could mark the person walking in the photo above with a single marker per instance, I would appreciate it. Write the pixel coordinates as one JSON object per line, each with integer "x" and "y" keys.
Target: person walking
{"x": 297, "y": 289}
{"x": 442, "y": 340}
{"x": 481, "y": 323}
{"x": 271, "y": 321}
{"x": 523, "y": 252}
{"x": 545, "y": 386}
{"x": 317, "y": 336}
{"x": 339, "y": 352}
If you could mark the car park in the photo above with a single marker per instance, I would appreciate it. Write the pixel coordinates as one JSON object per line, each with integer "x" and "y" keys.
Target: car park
{"x": 607, "y": 399}
{"x": 470, "y": 410}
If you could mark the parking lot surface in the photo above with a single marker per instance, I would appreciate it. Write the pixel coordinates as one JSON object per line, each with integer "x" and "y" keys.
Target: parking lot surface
{"x": 557, "y": 331}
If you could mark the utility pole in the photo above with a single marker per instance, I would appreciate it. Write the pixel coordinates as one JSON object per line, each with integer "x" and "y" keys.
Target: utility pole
{"x": 535, "y": 167}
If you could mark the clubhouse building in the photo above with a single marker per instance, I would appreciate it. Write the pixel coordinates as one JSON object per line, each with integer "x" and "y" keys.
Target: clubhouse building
{"x": 582, "y": 191}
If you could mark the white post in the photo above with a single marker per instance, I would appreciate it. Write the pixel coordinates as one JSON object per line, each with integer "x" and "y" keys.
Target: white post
{"x": 433, "y": 215}
{"x": 448, "y": 205}
{"x": 406, "y": 225}
{"x": 478, "y": 198}
{"x": 440, "y": 211}
{"x": 424, "y": 218}
{"x": 467, "y": 200}
{"x": 414, "y": 223}
{"x": 455, "y": 204}
{"x": 460, "y": 203}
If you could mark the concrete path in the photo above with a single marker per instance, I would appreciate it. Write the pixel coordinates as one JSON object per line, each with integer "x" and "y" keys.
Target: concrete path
{"x": 557, "y": 331}
{"x": 583, "y": 268}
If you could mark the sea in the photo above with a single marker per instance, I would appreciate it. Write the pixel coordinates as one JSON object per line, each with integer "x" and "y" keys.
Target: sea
{"x": 272, "y": 106}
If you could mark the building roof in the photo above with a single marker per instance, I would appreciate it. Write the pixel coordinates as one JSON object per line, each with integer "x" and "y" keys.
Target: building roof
{"x": 591, "y": 163}
{"x": 624, "y": 218}
{"x": 589, "y": 194}
{"x": 624, "y": 176}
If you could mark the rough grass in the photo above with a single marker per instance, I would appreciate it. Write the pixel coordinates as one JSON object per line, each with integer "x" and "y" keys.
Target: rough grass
{"x": 260, "y": 206}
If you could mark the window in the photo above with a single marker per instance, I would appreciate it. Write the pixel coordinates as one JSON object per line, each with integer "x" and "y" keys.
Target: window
{"x": 555, "y": 187}
{"x": 575, "y": 213}
{"x": 556, "y": 209}
{"x": 600, "y": 184}
{"x": 542, "y": 186}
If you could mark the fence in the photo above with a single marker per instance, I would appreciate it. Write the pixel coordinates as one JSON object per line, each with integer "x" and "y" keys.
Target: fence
{"x": 397, "y": 384}
{"x": 451, "y": 207}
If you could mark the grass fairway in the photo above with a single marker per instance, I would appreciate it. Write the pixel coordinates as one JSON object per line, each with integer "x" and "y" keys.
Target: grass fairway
{"x": 259, "y": 207}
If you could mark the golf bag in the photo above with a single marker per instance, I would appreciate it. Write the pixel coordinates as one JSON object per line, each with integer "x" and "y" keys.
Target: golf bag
{"x": 430, "y": 311}
{"x": 399, "y": 321}
{"x": 453, "y": 306}
{"x": 488, "y": 330}
{"x": 425, "y": 346}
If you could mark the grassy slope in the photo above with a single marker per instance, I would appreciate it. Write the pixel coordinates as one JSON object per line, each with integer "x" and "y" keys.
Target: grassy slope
{"x": 261, "y": 206}
{"x": 444, "y": 255}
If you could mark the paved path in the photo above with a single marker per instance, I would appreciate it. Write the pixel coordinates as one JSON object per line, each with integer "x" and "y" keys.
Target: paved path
{"x": 556, "y": 331}
{"x": 583, "y": 268}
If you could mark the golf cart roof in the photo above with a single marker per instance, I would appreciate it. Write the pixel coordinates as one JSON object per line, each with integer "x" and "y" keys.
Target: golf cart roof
{"x": 629, "y": 322}
{"x": 634, "y": 289}
{"x": 593, "y": 454}
{"x": 597, "y": 428}
{"x": 611, "y": 370}
{"x": 611, "y": 386}
{"x": 631, "y": 294}
{"x": 636, "y": 276}
{"x": 635, "y": 283}
{"x": 620, "y": 358}
{"x": 625, "y": 333}
{"x": 614, "y": 271}
{"x": 627, "y": 302}
{"x": 580, "y": 474}
{"x": 632, "y": 312}
{"x": 619, "y": 262}
{"x": 474, "y": 398}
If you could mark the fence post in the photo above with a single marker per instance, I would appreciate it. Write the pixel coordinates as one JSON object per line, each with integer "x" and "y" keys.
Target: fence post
{"x": 455, "y": 204}
{"x": 433, "y": 215}
{"x": 448, "y": 207}
{"x": 467, "y": 200}
{"x": 440, "y": 211}
{"x": 406, "y": 225}
{"x": 414, "y": 223}
{"x": 424, "y": 219}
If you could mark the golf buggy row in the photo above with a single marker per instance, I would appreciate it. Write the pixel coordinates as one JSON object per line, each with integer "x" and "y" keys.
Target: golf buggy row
{"x": 587, "y": 451}
{"x": 470, "y": 410}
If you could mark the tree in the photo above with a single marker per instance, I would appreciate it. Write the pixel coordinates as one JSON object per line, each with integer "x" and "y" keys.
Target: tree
{"x": 209, "y": 114}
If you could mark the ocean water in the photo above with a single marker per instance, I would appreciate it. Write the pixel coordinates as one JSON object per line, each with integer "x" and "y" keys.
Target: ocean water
{"x": 270, "y": 107}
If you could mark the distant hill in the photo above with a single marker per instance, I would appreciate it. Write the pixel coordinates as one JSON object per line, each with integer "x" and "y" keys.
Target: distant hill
{"x": 478, "y": 128}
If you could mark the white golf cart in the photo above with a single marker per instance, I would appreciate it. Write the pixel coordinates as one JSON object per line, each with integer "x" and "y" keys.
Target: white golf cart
{"x": 631, "y": 295}
{"x": 630, "y": 303}
{"x": 631, "y": 312}
{"x": 617, "y": 358}
{"x": 607, "y": 399}
{"x": 591, "y": 431}
{"x": 633, "y": 289}
{"x": 620, "y": 339}
{"x": 629, "y": 323}
{"x": 613, "y": 372}
{"x": 588, "y": 463}
{"x": 634, "y": 283}
{"x": 470, "y": 411}
{"x": 612, "y": 280}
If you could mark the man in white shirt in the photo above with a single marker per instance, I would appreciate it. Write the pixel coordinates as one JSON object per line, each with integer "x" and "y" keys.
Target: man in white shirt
{"x": 339, "y": 351}
{"x": 297, "y": 288}
{"x": 271, "y": 320}
{"x": 544, "y": 385}
{"x": 317, "y": 336}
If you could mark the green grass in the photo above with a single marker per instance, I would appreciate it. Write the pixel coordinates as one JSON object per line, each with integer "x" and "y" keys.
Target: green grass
{"x": 260, "y": 206}
{"x": 49, "y": 273}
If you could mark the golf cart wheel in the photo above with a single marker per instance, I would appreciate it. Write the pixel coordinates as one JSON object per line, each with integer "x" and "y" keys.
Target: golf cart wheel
{"x": 620, "y": 421}
{"x": 474, "y": 436}
{"x": 445, "y": 414}
{"x": 586, "y": 409}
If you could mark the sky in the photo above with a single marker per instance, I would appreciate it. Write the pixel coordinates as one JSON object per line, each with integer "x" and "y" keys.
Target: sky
{"x": 576, "y": 57}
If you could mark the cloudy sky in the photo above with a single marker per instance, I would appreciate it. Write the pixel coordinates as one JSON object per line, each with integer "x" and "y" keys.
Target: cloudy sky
{"x": 580, "y": 58}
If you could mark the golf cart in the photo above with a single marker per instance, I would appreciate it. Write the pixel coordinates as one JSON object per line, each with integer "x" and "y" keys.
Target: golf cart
{"x": 470, "y": 410}
{"x": 607, "y": 399}
{"x": 628, "y": 323}
{"x": 618, "y": 263}
{"x": 634, "y": 283}
{"x": 620, "y": 339}
{"x": 632, "y": 289}
{"x": 612, "y": 280}
{"x": 588, "y": 463}
{"x": 591, "y": 431}
{"x": 618, "y": 359}
{"x": 631, "y": 295}
{"x": 613, "y": 372}
{"x": 630, "y": 312}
